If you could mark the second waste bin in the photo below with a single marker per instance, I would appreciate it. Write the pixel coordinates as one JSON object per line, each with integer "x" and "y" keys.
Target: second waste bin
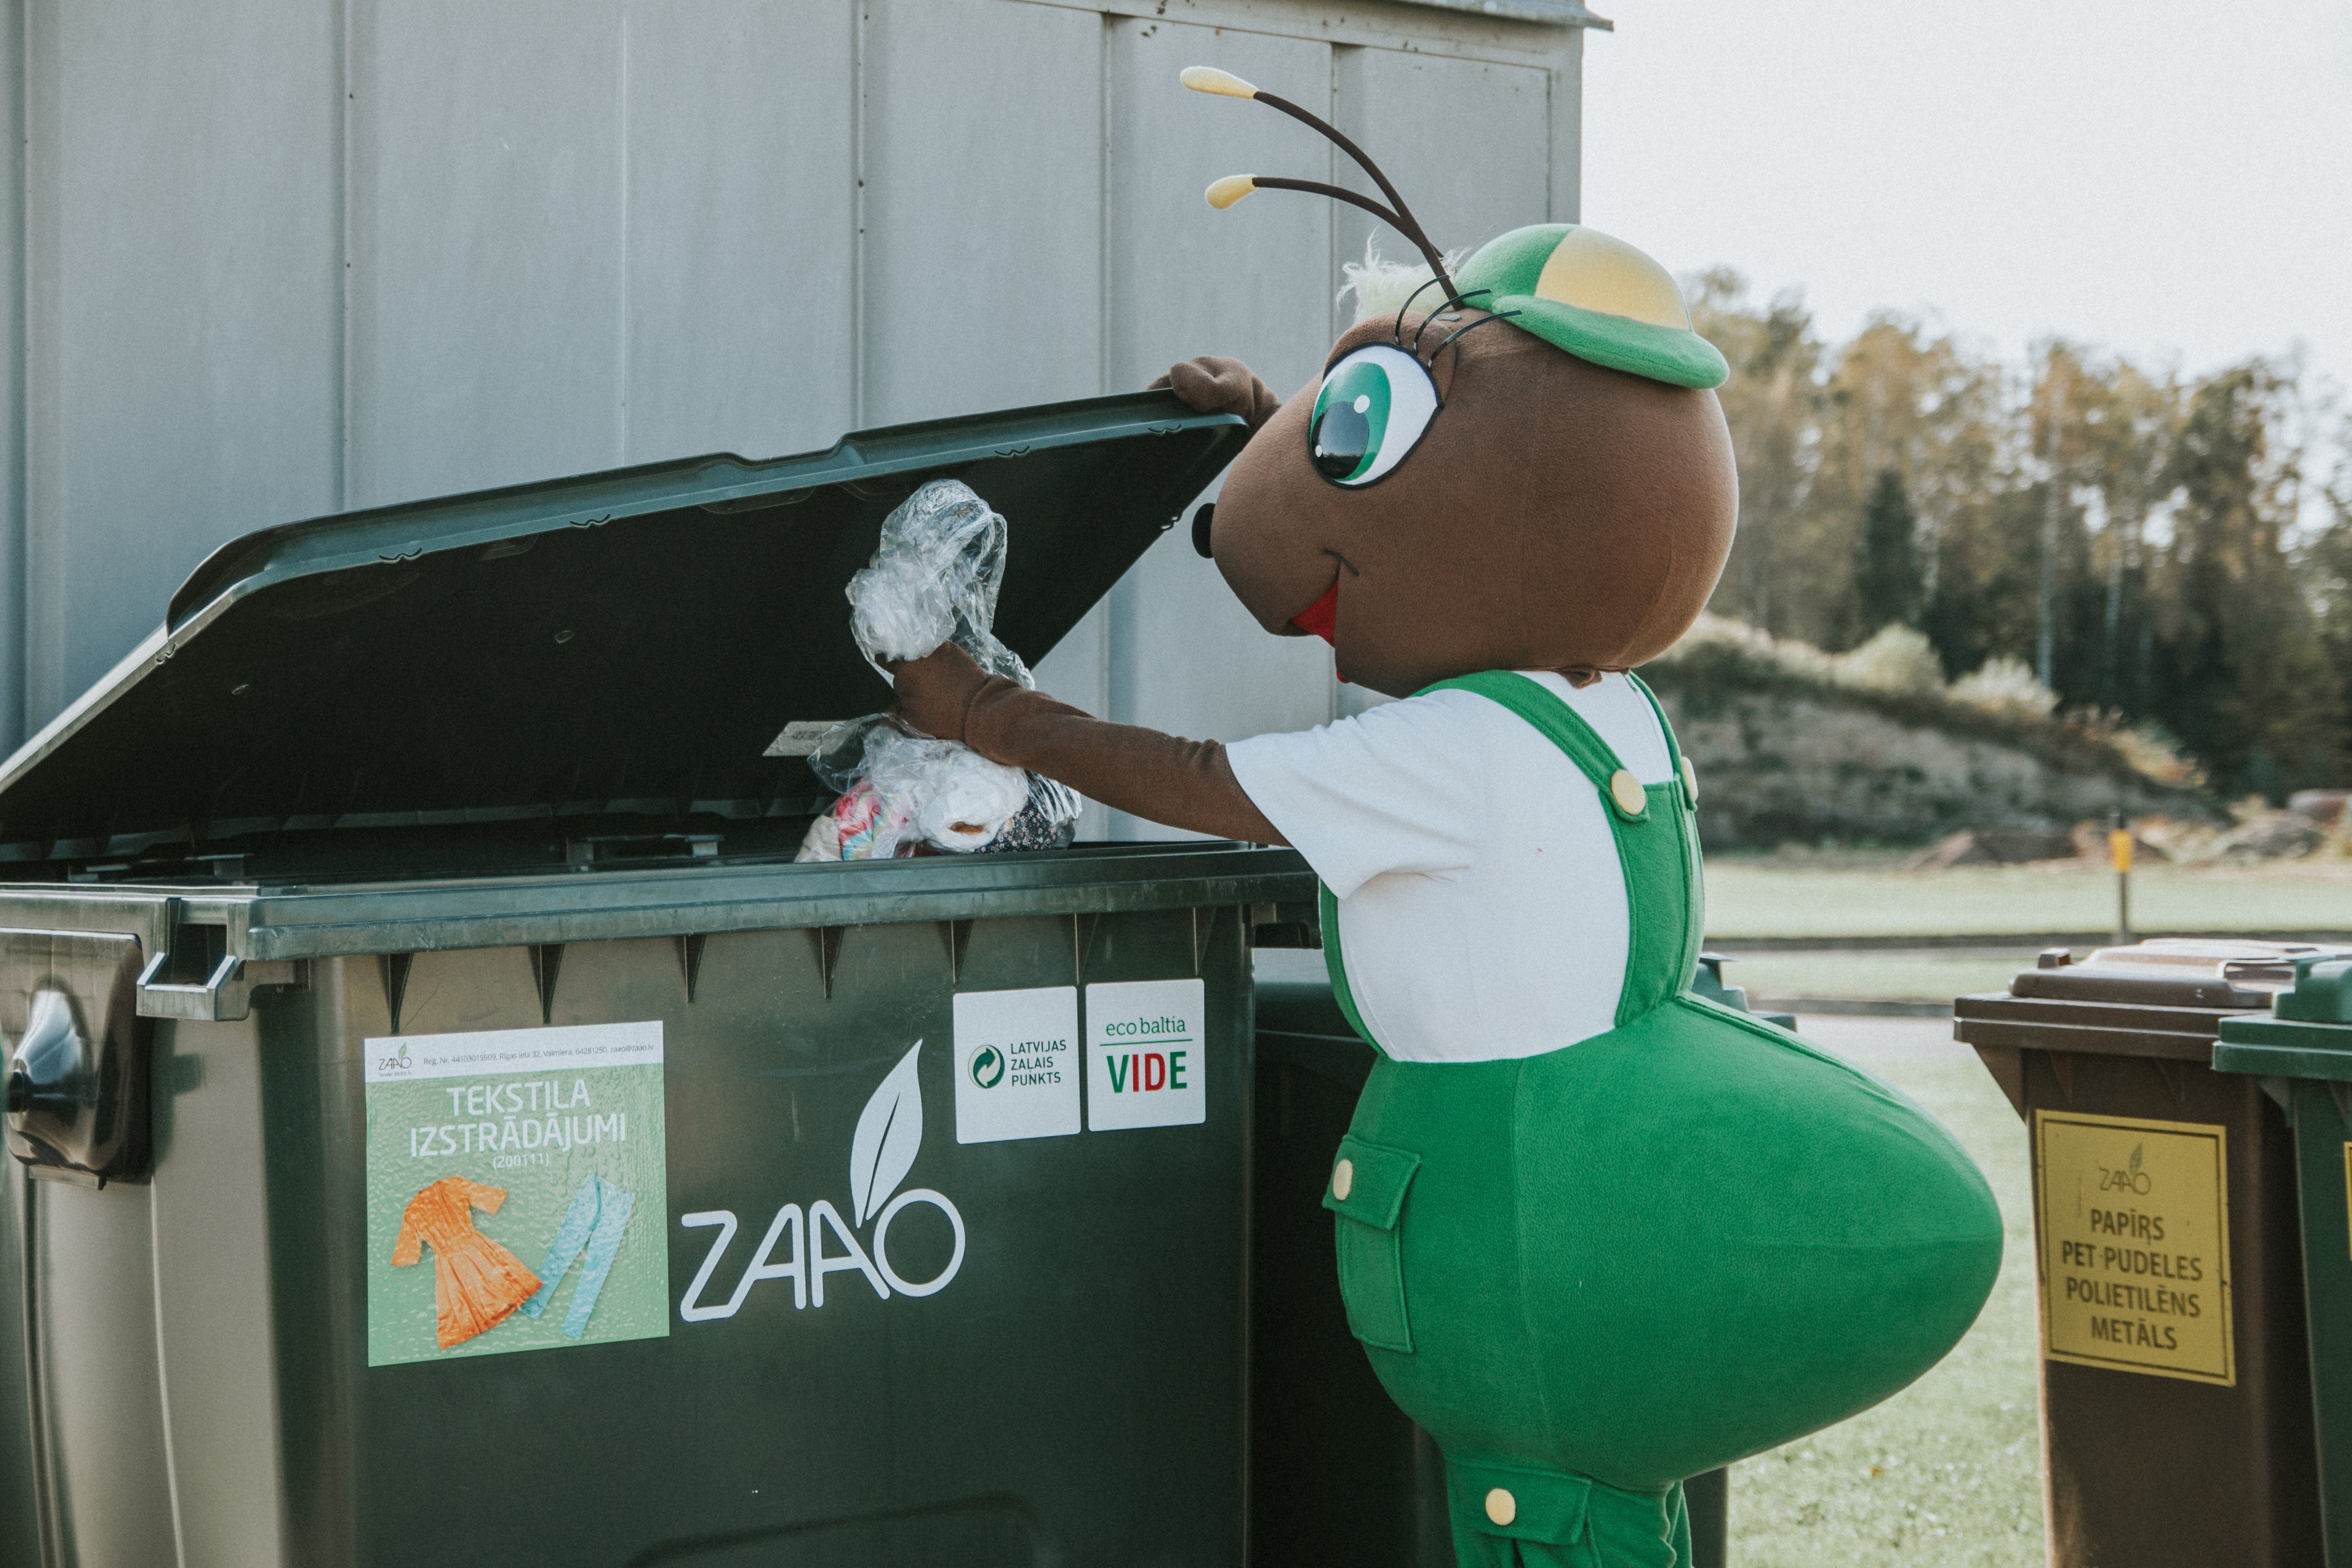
{"x": 2176, "y": 1403}
{"x": 448, "y": 1127}
{"x": 2301, "y": 1053}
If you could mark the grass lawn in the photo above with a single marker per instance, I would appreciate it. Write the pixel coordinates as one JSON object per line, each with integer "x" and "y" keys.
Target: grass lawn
{"x": 1949, "y": 1470}
{"x": 1867, "y": 894}
{"x": 1898, "y": 974}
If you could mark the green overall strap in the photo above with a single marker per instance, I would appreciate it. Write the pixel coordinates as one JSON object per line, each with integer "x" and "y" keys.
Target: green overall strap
{"x": 1656, "y": 849}
{"x": 1337, "y": 968}
{"x": 1688, "y": 775}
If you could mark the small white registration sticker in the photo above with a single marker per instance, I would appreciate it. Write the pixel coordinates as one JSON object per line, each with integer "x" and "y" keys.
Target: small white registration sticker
{"x": 799, "y": 738}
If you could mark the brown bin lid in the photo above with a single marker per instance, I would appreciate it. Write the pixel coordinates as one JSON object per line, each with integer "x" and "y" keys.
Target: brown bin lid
{"x": 2162, "y": 997}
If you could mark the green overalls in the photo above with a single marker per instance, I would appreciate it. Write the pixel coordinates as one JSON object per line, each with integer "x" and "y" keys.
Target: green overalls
{"x": 1593, "y": 1272}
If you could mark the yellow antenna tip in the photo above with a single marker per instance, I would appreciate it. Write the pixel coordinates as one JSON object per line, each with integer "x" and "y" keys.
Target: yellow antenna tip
{"x": 1225, "y": 193}
{"x": 1209, "y": 78}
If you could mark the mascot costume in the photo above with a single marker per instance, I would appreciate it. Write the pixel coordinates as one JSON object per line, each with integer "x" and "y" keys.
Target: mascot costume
{"x": 1595, "y": 1232}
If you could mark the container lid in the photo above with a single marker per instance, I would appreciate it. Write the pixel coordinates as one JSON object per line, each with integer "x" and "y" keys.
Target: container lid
{"x": 2164, "y": 998}
{"x": 2176, "y": 972}
{"x": 662, "y": 642}
{"x": 2308, "y": 1033}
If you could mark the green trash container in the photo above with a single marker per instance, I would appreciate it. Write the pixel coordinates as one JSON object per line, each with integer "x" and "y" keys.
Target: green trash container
{"x": 1340, "y": 1474}
{"x": 2174, "y": 1395}
{"x": 453, "y": 1130}
{"x": 2301, "y": 1053}
{"x": 20, "y": 1540}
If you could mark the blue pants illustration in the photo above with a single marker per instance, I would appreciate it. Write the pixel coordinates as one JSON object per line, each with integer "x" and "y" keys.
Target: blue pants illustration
{"x": 598, "y": 1214}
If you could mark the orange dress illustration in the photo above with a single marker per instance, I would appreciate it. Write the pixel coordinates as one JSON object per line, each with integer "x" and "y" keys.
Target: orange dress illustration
{"x": 476, "y": 1283}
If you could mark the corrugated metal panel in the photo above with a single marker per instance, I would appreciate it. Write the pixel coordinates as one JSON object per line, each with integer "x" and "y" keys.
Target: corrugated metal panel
{"x": 181, "y": 306}
{"x": 489, "y": 216}
{"x": 284, "y": 255}
{"x": 742, "y": 238}
{"x": 1467, "y": 141}
{"x": 982, "y": 172}
{"x": 1249, "y": 282}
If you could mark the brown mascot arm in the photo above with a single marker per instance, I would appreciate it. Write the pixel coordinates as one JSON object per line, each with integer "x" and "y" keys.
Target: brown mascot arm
{"x": 1215, "y": 383}
{"x": 1163, "y": 778}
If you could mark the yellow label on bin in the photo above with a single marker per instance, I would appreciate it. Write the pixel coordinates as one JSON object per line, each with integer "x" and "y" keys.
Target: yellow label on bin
{"x": 2134, "y": 1239}
{"x": 2347, "y": 1196}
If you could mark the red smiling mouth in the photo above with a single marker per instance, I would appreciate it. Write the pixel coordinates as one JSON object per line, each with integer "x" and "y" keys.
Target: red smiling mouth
{"x": 1322, "y": 617}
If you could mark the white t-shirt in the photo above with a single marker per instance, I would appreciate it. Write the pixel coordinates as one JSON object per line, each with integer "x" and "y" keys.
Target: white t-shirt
{"x": 1482, "y": 904}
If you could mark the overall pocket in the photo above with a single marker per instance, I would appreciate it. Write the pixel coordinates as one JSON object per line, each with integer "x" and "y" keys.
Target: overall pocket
{"x": 1366, "y": 1193}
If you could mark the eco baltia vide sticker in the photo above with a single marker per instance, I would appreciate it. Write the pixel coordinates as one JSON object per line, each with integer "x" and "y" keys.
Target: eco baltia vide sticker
{"x": 1147, "y": 1062}
{"x": 506, "y": 1173}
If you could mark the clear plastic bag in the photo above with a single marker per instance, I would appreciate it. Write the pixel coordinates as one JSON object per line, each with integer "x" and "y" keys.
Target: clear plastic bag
{"x": 902, "y": 794}
{"x": 934, "y": 579}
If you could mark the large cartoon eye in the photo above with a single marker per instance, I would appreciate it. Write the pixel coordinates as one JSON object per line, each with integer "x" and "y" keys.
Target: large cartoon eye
{"x": 1372, "y": 409}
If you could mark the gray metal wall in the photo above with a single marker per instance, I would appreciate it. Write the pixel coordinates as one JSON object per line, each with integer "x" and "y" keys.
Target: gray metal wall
{"x": 271, "y": 258}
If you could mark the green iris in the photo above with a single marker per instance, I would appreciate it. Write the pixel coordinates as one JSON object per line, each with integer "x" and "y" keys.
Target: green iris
{"x": 1351, "y": 417}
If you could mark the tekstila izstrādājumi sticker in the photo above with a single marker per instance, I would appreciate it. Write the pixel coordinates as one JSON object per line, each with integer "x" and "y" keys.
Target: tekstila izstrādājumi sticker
{"x": 516, "y": 1191}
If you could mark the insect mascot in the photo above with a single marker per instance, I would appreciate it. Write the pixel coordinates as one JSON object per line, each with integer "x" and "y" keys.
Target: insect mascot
{"x": 1595, "y": 1232}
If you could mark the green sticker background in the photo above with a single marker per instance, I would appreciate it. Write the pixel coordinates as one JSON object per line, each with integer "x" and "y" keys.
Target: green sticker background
{"x": 635, "y": 1301}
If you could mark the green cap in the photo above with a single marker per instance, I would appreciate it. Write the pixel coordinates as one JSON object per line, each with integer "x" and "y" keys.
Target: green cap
{"x": 1595, "y": 296}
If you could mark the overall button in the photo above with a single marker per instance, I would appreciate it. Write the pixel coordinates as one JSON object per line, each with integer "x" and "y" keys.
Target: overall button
{"x": 1501, "y": 1506}
{"x": 1343, "y": 1179}
{"x": 1690, "y": 781}
{"x": 1627, "y": 790}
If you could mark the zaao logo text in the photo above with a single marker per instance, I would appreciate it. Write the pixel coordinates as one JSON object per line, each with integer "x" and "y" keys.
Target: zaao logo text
{"x": 881, "y": 1151}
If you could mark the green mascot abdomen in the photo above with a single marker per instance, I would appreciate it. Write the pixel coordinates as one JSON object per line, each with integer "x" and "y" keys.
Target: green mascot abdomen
{"x": 1593, "y": 1272}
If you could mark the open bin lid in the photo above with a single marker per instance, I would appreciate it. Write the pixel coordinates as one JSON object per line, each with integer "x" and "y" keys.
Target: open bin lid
{"x": 657, "y": 644}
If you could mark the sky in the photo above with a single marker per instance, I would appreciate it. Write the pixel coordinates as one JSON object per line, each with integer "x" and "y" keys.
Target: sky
{"x": 2172, "y": 182}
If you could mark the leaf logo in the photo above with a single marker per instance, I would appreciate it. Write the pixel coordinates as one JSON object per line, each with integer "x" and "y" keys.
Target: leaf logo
{"x": 2137, "y": 1149}
{"x": 889, "y": 1134}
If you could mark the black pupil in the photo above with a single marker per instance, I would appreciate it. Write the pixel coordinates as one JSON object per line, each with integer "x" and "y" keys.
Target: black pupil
{"x": 1340, "y": 438}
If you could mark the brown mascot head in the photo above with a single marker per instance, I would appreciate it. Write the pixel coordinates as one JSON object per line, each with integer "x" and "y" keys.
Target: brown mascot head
{"x": 1534, "y": 474}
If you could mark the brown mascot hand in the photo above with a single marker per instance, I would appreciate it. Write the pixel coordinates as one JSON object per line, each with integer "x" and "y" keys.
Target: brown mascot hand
{"x": 1215, "y": 383}
{"x": 1184, "y": 784}
{"x": 935, "y": 691}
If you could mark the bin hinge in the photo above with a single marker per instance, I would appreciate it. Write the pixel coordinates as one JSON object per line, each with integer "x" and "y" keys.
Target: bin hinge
{"x": 224, "y": 995}
{"x": 2062, "y": 1068}
{"x": 689, "y": 962}
{"x": 395, "y": 985}
{"x": 1204, "y": 925}
{"x": 1081, "y": 927}
{"x": 546, "y": 963}
{"x": 959, "y": 940}
{"x": 828, "y": 952}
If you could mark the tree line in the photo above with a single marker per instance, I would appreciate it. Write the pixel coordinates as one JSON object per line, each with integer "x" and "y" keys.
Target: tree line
{"x": 2150, "y": 544}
